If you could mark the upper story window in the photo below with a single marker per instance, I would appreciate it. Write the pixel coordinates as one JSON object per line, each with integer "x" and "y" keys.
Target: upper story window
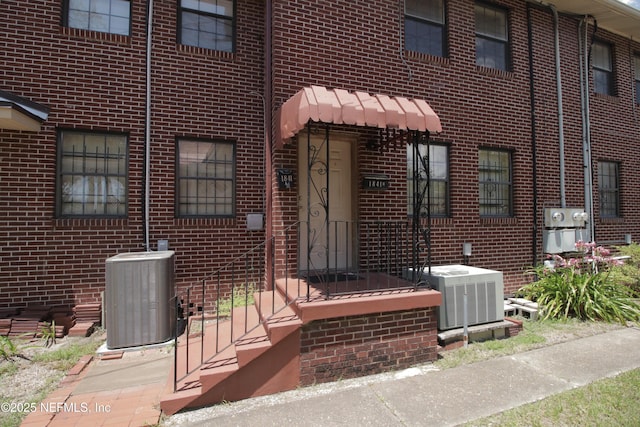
{"x": 209, "y": 24}
{"x": 495, "y": 182}
{"x": 424, "y": 27}
{"x": 92, "y": 174}
{"x": 439, "y": 183}
{"x": 492, "y": 37}
{"x": 637, "y": 73}
{"x": 602, "y": 64}
{"x": 608, "y": 188}
{"x": 105, "y": 16}
{"x": 206, "y": 178}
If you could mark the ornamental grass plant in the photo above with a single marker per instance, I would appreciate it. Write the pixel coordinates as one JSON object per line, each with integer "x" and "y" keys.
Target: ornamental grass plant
{"x": 583, "y": 287}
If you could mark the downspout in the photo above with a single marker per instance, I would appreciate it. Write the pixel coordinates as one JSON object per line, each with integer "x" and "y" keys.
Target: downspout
{"x": 268, "y": 114}
{"x": 586, "y": 125}
{"x": 561, "y": 150}
{"x": 556, "y": 35}
{"x": 403, "y": 12}
{"x": 147, "y": 128}
{"x": 534, "y": 150}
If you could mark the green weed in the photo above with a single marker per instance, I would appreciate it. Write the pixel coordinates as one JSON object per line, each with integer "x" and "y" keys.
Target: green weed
{"x": 66, "y": 357}
{"x": 241, "y": 296}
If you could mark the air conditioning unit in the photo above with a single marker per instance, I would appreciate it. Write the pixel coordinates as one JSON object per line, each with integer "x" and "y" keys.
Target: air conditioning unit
{"x": 485, "y": 295}
{"x": 139, "y": 292}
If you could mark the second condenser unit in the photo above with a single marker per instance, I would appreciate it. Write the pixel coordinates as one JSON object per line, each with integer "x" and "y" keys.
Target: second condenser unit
{"x": 484, "y": 289}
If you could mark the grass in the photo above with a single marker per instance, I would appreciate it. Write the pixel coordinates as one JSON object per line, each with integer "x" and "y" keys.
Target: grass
{"x": 64, "y": 358}
{"x": 534, "y": 335}
{"x": 608, "y": 402}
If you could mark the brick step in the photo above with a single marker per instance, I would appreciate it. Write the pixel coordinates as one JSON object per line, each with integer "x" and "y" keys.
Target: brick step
{"x": 251, "y": 366}
{"x": 280, "y": 318}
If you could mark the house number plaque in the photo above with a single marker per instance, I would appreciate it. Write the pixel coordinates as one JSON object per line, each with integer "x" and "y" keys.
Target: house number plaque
{"x": 285, "y": 179}
{"x": 375, "y": 182}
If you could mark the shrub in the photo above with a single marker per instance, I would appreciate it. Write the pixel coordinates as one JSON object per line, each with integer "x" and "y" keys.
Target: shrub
{"x": 582, "y": 287}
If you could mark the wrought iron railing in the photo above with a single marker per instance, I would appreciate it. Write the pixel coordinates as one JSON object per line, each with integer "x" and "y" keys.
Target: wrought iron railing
{"x": 350, "y": 258}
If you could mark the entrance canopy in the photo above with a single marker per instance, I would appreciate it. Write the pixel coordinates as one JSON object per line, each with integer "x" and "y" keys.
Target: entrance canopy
{"x": 17, "y": 113}
{"x": 339, "y": 106}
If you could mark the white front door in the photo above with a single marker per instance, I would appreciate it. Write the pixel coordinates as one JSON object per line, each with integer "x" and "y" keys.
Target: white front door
{"x": 325, "y": 245}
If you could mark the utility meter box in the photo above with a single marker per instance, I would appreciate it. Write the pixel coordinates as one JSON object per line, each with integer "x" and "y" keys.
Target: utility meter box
{"x": 565, "y": 217}
{"x": 139, "y": 299}
{"x": 559, "y": 241}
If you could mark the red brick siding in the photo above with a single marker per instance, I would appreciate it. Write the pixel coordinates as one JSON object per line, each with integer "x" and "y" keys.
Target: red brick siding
{"x": 354, "y": 346}
{"x": 355, "y": 46}
{"x": 97, "y": 81}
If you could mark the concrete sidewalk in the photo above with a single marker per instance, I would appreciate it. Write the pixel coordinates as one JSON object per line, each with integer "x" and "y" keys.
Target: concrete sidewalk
{"x": 427, "y": 397}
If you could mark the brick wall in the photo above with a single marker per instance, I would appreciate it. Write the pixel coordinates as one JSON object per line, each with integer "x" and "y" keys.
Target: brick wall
{"x": 95, "y": 81}
{"x": 356, "y": 46}
{"x": 354, "y": 346}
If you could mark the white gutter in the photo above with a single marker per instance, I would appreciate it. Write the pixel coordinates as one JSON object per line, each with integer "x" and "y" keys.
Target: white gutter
{"x": 147, "y": 128}
{"x": 612, "y": 15}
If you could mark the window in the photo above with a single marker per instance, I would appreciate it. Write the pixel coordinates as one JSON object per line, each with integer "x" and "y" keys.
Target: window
{"x": 424, "y": 26}
{"x": 208, "y": 23}
{"x": 495, "y": 182}
{"x": 637, "y": 66}
{"x": 92, "y": 174}
{"x": 609, "y": 188}
{"x": 439, "y": 189}
{"x": 492, "y": 39}
{"x": 105, "y": 16}
{"x": 206, "y": 178}
{"x": 602, "y": 68}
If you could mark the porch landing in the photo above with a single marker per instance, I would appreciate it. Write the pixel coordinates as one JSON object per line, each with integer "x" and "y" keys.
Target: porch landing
{"x": 355, "y": 297}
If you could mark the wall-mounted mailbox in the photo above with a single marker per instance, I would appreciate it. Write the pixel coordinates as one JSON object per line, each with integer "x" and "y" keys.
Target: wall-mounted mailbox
{"x": 285, "y": 179}
{"x": 375, "y": 182}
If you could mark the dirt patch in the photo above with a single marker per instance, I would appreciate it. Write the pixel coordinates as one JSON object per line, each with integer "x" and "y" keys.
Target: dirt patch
{"x": 36, "y": 370}
{"x": 557, "y": 332}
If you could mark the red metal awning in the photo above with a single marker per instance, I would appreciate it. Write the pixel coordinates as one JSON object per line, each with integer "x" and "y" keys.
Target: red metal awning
{"x": 338, "y": 106}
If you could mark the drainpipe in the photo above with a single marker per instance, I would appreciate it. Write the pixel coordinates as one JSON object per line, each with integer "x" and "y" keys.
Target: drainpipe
{"x": 534, "y": 150}
{"x": 147, "y": 128}
{"x": 586, "y": 125}
{"x": 268, "y": 109}
{"x": 401, "y": 40}
{"x": 556, "y": 35}
{"x": 561, "y": 150}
